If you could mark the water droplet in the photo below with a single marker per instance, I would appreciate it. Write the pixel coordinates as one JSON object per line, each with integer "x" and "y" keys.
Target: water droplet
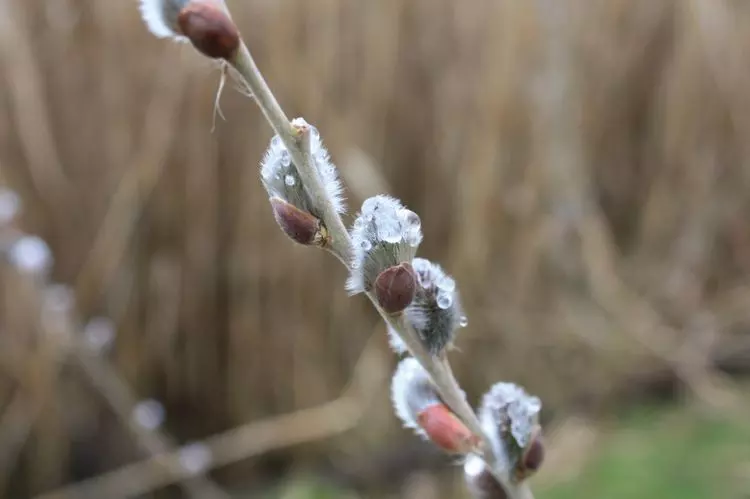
{"x": 10, "y": 204}
{"x": 410, "y": 218}
{"x": 99, "y": 333}
{"x": 463, "y": 321}
{"x": 365, "y": 245}
{"x": 444, "y": 301}
{"x": 424, "y": 280}
{"x": 447, "y": 284}
{"x": 30, "y": 254}
{"x": 388, "y": 230}
{"x": 286, "y": 158}
{"x": 195, "y": 458}
{"x": 149, "y": 414}
{"x": 392, "y": 236}
{"x": 289, "y": 180}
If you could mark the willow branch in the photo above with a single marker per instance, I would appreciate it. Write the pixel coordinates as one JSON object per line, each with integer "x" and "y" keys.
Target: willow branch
{"x": 340, "y": 245}
{"x": 243, "y": 62}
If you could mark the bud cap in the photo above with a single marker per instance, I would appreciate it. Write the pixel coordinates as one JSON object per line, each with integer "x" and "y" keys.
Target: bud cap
{"x": 395, "y": 287}
{"x": 299, "y": 225}
{"x": 209, "y": 28}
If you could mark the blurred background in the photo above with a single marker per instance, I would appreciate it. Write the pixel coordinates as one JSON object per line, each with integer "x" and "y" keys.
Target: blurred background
{"x": 582, "y": 167}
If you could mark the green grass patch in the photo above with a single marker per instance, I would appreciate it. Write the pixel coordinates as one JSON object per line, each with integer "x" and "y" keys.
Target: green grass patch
{"x": 666, "y": 454}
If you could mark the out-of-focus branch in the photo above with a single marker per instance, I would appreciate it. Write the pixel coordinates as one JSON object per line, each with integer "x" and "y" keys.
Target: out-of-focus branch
{"x": 155, "y": 442}
{"x": 251, "y": 439}
{"x": 61, "y": 340}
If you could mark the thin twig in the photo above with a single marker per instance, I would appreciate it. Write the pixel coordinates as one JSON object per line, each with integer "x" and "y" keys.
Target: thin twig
{"x": 439, "y": 369}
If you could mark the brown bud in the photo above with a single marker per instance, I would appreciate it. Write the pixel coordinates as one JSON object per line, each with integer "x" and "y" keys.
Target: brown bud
{"x": 395, "y": 287}
{"x": 447, "y": 431}
{"x": 299, "y": 225}
{"x": 210, "y": 29}
{"x": 532, "y": 457}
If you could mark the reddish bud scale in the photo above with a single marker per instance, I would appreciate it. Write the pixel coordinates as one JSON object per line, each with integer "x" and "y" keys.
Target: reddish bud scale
{"x": 299, "y": 225}
{"x": 209, "y": 28}
{"x": 447, "y": 431}
{"x": 395, "y": 287}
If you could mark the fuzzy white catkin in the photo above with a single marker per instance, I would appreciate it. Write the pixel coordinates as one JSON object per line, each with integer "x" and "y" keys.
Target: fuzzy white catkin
{"x": 436, "y": 312}
{"x": 30, "y": 254}
{"x": 195, "y": 457}
{"x": 280, "y": 178}
{"x": 397, "y": 344}
{"x": 412, "y": 391}
{"x": 508, "y": 416}
{"x": 384, "y": 234}
{"x": 149, "y": 414}
{"x": 160, "y": 17}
